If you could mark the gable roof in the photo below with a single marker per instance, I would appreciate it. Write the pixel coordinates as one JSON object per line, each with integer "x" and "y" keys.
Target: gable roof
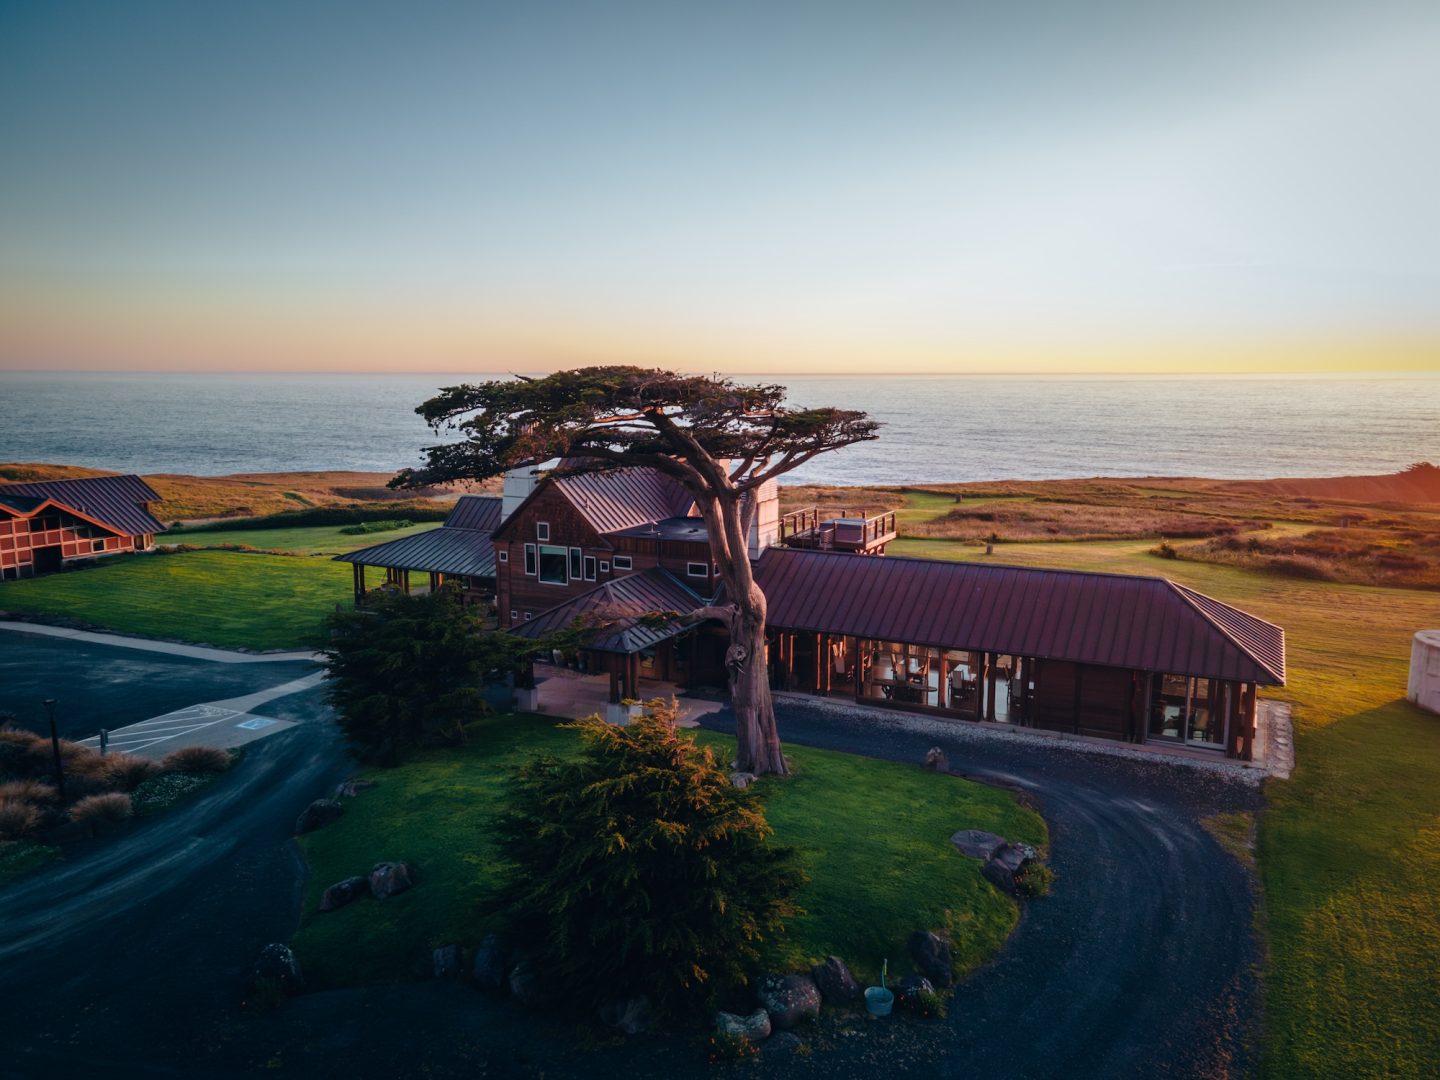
{"x": 617, "y": 607}
{"x": 116, "y": 502}
{"x": 1115, "y": 620}
{"x": 613, "y": 501}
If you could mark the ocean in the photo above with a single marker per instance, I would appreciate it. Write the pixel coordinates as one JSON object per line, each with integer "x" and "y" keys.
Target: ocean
{"x": 936, "y": 429}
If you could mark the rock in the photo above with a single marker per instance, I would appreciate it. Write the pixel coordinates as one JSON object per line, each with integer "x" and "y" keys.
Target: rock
{"x": 492, "y": 962}
{"x": 389, "y": 878}
{"x": 931, "y": 954}
{"x": 788, "y": 999}
{"x": 742, "y": 780}
{"x": 527, "y": 985}
{"x": 278, "y": 964}
{"x": 783, "y": 1044}
{"x": 1008, "y": 860}
{"x": 936, "y": 761}
{"x": 318, "y": 813}
{"x": 446, "y": 962}
{"x": 342, "y": 892}
{"x": 755, "y": 1027}
{"x": 835, "y": 982}
{"x": 632, "y": 1015}
{"x": 352, "y": 787}
{"x": 977, "y": 844}
{"x": 910, "y": 987}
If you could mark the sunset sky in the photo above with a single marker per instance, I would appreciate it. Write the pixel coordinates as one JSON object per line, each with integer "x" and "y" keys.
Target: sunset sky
{"x": 760, "y": 187}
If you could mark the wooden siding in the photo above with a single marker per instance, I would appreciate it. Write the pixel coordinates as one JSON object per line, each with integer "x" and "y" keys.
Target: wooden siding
{"x": 26, "y": 542}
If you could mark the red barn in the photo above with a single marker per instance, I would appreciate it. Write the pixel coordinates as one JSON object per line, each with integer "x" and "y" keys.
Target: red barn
{"x": 47, "y": 524}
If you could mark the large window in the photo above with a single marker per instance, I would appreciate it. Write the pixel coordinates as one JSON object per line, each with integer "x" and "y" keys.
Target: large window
{"x": 552, "y": 565}
{"x": 1189, "y": 710}
{"x": 621, "y": 562}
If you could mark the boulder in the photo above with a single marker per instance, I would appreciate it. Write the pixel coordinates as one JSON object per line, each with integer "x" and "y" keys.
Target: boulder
{"x": 936, "y": 761}
{"x": 1008, "y": 861}
{"x": 348, "y": 789}
{"x": 910, "y": 987}
{"x": 755, "y": 1027}
{"x": 527, "y": 985}
{"x": 931, "y": 954}
{"x": 318, "y": 813}
{"x": 788, "y": 999}
{"x": 783, "y": 1044}
{"x": 389, "y": 878}
{"x": 446, "y": 962}
{"x": 342, "y": 892}
{"x": 742, "y": 780}
{"x": 977, "y": 844}
{"x": 836, "y": 983}
{"x": 632, "y": 1015}
{"x": 492, "y": 962}
{"x": 278, "y": 964}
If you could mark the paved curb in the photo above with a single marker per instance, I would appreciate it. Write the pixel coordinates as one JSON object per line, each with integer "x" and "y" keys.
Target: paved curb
{"x": 192, "y": 652}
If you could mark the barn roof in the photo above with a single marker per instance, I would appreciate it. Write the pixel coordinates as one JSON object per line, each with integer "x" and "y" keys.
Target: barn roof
{"x": 117, "y": 502}
{"x": 449, "y": 549}
{"x": 1144, "y": 623}
{"x": 617, "y": 609}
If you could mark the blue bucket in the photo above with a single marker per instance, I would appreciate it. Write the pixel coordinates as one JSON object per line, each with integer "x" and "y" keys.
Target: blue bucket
{"x": 878, "y": 1000}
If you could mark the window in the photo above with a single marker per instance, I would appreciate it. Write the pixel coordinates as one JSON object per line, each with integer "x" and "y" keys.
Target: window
{"x": 542, "y": 530}
{"x": 552, "y": 565}
{"x": 530, "y": 559}
{"x": 97, "y": 545}
{"x": 622, "y": 562}
{"x": 589, "y": 567}
{"x": 696, "y": 569}
{"x": 502, "y": 555}
{"x": 514, "y": 614}
{"x": 574, "y": 564}
{"x": 604, "y": 567}
{"x": 527, "y": 616}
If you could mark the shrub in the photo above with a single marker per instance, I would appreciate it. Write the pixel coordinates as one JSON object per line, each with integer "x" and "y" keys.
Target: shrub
{"x": 165, "y": 790}
{"x": 18, "y": 819}
{"x": 326, "y": 515}
{"x": 127, "y": 771}
{"x": 924, "y": 1003}
{"x": 196, "y": 759}
{"x": 375, "y": 526}
{"x": 1165, "y": 550}
{"x": 31, "y": 791}
{"x": 638, "y": 867}
{"x": 23, "y": 753}
{"x": 729, "y": 1046}
{"x": 100, "y": 810}
{"x": 1034, "y": 880}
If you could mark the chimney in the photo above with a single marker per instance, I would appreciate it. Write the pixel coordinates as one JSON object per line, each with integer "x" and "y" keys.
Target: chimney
{"x": 519, "y": 483}
{"x": 765, "y": 525}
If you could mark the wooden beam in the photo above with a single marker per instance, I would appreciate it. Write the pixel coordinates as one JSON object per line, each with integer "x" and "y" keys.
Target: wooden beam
{"x": 614, "y": 667}
{"x": 1247, "y": 724}
{"x": 989, "y": 690}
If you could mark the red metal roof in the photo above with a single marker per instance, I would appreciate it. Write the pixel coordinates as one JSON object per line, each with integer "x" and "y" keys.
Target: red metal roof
{"x": 613, "y": 501}
{"x": 117, "y": 502}
{"x": 1144, "y": 623}
{"x": 616, "y": 609}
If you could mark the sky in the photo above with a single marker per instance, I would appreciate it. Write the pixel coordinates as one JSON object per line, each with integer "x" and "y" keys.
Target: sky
{"x": 751, "y": 188}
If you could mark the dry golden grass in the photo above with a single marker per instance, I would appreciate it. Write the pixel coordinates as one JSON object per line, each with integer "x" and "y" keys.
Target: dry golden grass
{"x": 1402, "y": 557}
{"x": 1043, "y": 519}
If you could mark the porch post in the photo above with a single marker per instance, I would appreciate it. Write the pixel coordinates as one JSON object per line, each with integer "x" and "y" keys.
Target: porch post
{"x": 614, "y": 668}
{"x": 1247, "y": 721}
{"x": 820, "y": 666}
{"x": 989, "y": 687}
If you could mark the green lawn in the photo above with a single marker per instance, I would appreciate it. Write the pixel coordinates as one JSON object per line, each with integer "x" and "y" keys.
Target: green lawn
{"x": 312, "y": 540}
{"x": 221, "y": 598}
{"x": 874, "y": 837}
{"x": 1349, "y": 848}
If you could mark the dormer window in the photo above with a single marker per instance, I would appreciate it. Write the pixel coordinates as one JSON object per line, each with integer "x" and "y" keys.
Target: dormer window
{"x": 696, "y": 569}
{"x": 621, "y": 562}
{"x": 542, "y": 530}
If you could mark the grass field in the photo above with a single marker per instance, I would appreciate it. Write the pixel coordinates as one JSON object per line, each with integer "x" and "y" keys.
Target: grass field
{"x": 880, "y": 867}
{"x": 221, "y": 598}
{"x": 1349, "y": 848}
{"x": 310, "y": 540}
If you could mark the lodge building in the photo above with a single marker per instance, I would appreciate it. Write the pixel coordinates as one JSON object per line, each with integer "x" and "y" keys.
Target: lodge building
{"x": 50, "y": 524}
{"x": 1137, "y": 659}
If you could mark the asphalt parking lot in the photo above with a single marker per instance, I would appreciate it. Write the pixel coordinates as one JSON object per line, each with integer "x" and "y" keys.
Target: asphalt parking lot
{"x": 113, "y": 686}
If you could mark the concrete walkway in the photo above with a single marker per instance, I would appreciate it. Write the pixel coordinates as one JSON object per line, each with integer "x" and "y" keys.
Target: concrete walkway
{"x": 222, "y": 724}
{"x": 192, "y": 652}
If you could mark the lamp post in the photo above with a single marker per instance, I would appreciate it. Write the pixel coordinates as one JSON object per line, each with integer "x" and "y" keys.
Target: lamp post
{"x": 55, "y": 748}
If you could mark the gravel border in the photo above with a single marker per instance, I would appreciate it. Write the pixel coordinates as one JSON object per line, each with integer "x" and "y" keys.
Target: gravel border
{"x": 1252, "y": 773}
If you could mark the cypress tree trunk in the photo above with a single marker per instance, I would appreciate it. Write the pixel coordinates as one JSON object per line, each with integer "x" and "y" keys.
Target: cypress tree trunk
{"x": 756, "y": 736}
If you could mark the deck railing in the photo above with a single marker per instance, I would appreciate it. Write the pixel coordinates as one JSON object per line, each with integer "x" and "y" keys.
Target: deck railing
{"x": 823, "y": 528}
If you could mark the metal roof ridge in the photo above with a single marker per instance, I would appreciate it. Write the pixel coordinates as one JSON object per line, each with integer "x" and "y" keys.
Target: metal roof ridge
{"x": 968, "y": 563}
{"x": 1187, "y": 595}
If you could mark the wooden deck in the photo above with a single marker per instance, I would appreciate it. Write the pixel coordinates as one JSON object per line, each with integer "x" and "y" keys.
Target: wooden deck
{"x": 829, "y": 529}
